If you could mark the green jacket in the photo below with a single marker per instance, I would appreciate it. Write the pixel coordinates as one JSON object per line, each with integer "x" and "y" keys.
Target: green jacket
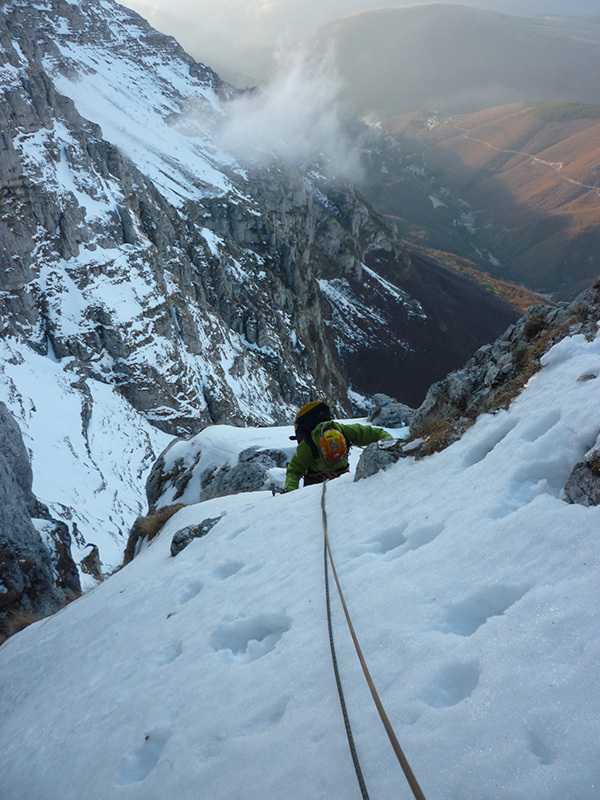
{"x": 303, "y": 460}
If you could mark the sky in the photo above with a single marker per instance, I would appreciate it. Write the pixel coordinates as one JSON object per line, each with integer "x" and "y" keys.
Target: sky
{"x": 239, "y": 37}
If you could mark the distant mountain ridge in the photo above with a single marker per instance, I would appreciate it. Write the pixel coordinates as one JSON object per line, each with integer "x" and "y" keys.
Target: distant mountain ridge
{"x": 243, "y": 51}
{"x": 458, "y": 59}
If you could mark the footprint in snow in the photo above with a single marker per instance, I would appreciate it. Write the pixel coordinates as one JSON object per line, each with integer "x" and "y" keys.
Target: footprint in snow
{"x": 541, "y": 426}
{"x": 451, "y": 685}
{"x": 424, "y": 534}
{"x": 467, "y": 616}
{"x": 384, "y": 541}
{"x": 540, "y": 749}
{"x": 489, "y": 442}
{"x": 190, "y": 591}
{"x": 245, "y": 640}
{"x": 544, "y": 476}
{"x": 398, "y": 540}
{"x": 136, "y": 766}
{"x": 227, "y": 569}
{"x": 265, "y": 718}
{"x": 235, "y": 533}
{"x": 169, "y": 654}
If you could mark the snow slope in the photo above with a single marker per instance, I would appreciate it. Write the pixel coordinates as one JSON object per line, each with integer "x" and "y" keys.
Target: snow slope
{"x": 148, "y": 102}
{"x": 474, "y": 591}
{"x": 92, "y": 476}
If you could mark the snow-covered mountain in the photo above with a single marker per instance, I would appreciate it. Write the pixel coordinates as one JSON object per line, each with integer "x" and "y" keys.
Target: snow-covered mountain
{"x": 473, "y": 588}
{"x": 151, "y": 284}
{"x": 112, "y": 259}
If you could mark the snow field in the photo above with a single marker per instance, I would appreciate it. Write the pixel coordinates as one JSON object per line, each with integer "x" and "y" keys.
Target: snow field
{"x": 152, "y": 110}
{"x": 473, "y": 589}
{"x": 92, "y": 478}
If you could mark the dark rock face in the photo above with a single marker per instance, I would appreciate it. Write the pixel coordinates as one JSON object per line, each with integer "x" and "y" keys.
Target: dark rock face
{"x": 250, "y": 474}
{"x": 409, "y": 322}
{"x": 160, "y": 478}
{"x": 37, "y": 576}
{"x": 186, "y": 535}
{"x": 16, "y": 466}
{"x": 583, "y": 486}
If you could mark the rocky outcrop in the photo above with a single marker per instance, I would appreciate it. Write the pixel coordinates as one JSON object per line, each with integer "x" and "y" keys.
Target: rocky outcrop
{"x": 217, "y": 462}
{"x": 185, "y": 536}
{"x": 486, "y": 380}
{"x": 170, "y": 475}
{"x": 145, "y": 528}
{"x": 91, "y": 563}
{"x": 37, "y": 573}
{"x": 389, "y": 413}
{"x": 250, "y": 474}
{"x": 490, "y": 381}
{"x": 380, "y": 455}
{"x": 498, "y": 371}
{"x": 583, "y": 485}
{"x": 177, "y": 474}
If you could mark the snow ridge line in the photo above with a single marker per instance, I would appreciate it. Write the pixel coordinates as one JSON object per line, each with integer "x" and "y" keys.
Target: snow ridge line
{"x": 406, "y": 768}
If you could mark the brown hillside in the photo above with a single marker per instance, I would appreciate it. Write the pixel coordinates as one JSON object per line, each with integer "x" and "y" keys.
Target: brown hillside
{"x": 531, "y": 174}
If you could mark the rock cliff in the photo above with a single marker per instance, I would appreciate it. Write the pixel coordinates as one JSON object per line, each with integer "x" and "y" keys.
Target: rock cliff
{"x": 37, "y": 572}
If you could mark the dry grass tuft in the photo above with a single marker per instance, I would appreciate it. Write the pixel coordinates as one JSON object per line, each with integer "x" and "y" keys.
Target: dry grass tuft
{"x": 438, "y": 434}
{"x": 534, "y": 326}
{"x": 527, "y": 363}
{"x": 16, "y": 621}
{"x": 148, "y": 527}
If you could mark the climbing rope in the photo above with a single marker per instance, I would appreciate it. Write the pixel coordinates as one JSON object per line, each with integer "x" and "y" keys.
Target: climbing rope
{"x": 338, "y": 680}
{"x": 408, "y": 773}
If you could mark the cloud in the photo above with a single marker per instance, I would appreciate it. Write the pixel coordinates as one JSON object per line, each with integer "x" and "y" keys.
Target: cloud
{"x": 295, "y": 117}
{"x": 260, "y": 8}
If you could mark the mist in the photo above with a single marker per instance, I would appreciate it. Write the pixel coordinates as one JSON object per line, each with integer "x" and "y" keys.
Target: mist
{"x": 295, "y": 118}
{"x": 239, "y": 39}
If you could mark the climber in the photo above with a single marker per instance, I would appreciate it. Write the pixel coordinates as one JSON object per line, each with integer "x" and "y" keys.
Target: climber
{"x": 323, "y": 445}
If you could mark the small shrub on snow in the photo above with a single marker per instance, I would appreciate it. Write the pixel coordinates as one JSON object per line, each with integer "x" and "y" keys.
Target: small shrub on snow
{"x": 147, "y": 528}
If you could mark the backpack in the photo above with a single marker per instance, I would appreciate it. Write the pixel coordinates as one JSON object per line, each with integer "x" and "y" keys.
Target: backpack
{"x": 307, "y": 419}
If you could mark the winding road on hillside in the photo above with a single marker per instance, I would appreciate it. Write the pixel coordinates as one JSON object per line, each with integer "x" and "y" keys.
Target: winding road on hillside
{"x": 557, "y": 166}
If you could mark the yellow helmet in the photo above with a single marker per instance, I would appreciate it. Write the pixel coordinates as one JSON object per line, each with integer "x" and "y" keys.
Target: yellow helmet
{"x": 333, "y": 446}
